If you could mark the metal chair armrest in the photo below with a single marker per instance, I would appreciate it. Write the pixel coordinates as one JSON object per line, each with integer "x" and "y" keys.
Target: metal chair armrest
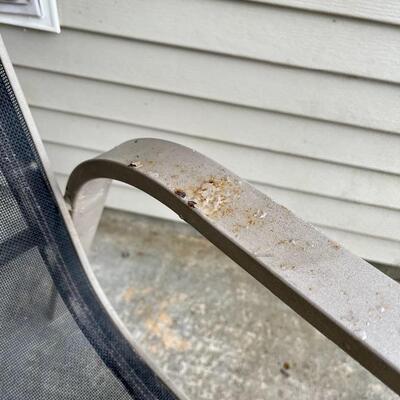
{"x": 344, "y": 297}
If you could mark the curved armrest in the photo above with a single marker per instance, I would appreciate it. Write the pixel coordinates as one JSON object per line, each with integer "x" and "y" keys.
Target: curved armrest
{"x": 344, "y": 297}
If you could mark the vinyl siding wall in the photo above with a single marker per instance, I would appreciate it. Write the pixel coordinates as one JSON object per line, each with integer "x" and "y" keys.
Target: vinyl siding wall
{"x": 300, "y": 97}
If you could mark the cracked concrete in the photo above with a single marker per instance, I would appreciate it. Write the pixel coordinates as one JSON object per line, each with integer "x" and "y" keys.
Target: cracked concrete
{"x": 214, "y": 330}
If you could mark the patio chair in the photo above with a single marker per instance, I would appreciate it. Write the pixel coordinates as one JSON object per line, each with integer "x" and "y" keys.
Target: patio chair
{"x": 61, "y": 339}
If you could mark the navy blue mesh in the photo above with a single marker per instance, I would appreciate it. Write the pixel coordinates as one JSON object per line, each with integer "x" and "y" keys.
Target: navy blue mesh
{"x": 56, "y": 339}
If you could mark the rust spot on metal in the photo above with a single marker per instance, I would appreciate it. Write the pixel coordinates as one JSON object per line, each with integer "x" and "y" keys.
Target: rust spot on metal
{"x": 236, "y": 228}
{"x": 180, "y": 193}
{"x": 293, "y": 242}
{"x": 286, "y": 365}
{"x": 215, "y": 196}
{"x": 286, "y": 266}
{"x": 284, "y": 370}
{"x": 335, "y": 245}
{"x": 135, "y": 164}
{"x": 251, "y": 220}
{"x": 250, "y": 217}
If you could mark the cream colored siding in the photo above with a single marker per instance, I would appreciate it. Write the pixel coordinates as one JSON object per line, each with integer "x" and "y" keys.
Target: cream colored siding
{"x": 374, "y": 10}
{"x": 300, "y": 100}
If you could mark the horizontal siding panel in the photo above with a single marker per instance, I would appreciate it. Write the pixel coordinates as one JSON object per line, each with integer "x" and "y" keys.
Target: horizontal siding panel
{"x": 364, "y": 219}
{"x": 241, "y": 82}
{"x": 246, "y": 29}
{"x": 373, "y": 249}
{"x": 357, "y": 218}
{"x": 275, "y": 169}
{"x": 133, "y": 200}
{"x": 251, "y": 128}
{"x": 381, "y": 11}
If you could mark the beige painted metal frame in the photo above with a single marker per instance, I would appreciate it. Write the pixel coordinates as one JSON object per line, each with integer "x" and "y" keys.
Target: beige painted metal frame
{"x": 344, "y": 297}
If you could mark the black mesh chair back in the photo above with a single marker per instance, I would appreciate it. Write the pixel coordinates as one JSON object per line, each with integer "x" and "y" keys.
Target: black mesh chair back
{"x": 58, "y": 339}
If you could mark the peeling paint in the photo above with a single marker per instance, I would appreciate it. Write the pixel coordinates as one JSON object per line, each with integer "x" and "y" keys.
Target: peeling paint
{"x": 215, "y": 197}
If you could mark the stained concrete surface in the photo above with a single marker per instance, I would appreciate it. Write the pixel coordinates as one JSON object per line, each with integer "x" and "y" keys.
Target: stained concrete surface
{"x": 214, "y": 330}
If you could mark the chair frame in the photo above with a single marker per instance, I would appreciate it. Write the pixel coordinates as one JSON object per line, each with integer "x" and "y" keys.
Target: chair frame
{"x": 344, "y": 297}
{"x": 65, "y": 212}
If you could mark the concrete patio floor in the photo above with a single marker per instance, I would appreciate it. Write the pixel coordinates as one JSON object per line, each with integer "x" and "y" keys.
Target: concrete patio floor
{"x": 215, "y": 331}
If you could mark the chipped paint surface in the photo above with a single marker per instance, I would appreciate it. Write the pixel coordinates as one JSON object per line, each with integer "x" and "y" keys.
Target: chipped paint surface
{"x": 215, "y": 196}
{"x": 135, "y": 164}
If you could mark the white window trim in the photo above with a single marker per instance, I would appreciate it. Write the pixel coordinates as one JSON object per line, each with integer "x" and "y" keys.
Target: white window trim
{"x": 49, "y": 20}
